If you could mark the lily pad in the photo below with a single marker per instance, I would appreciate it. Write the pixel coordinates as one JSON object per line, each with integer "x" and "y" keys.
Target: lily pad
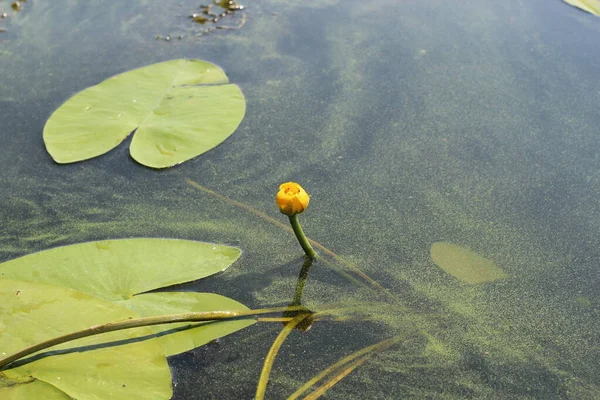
{"x": 179, "y": 110}
{"x": 465, "y": 264}
{"x": 185, "y": 336}
{"x": 119, "y": 269}
{"x": 115, "y": 270}
{"x": 115, "y": 365}
{"x": 591, "y": 6}
{"x": 31, "y": 390}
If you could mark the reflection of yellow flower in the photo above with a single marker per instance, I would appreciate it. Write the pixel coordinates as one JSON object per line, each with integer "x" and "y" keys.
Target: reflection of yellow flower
{"x": 292, "y": 199}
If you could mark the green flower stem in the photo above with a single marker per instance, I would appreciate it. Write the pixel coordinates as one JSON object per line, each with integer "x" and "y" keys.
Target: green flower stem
{"x": 308, "y": 250}
{"x": 136, "y": 323}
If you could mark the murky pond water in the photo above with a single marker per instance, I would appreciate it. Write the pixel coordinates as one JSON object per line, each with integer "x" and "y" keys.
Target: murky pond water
{"x": 410, "y": 123}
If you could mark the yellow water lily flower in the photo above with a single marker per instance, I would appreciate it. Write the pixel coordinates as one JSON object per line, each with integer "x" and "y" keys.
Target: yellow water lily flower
{"x": 292, "y": 199}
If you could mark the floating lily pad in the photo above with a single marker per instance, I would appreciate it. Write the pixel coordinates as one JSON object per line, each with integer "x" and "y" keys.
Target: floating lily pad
{"x": 119, "y": 269}
{"x": 31, "y": 390}
{"x": 465, "y": 264}
{"x": 185, "y": 336}
{"x": 115, "y": 365}
{"x": 179, "y": 109}
{"x": 115, "y": 270}
{"x": 591, "y": 6}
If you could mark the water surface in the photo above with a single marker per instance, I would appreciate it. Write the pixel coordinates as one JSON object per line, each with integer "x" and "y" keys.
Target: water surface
{"x": 409, "y": 123}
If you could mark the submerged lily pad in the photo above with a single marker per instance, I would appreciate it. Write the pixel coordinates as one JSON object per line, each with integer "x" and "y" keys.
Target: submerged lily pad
{"x": 591, "y": 6}
{"x": 119, "y": 269}
{"x": 179, "y": 110}
{"x": 465, "y": 264}
{"x": 114, "y": 365}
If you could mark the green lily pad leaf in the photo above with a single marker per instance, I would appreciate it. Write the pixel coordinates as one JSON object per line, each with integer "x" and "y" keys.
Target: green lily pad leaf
{"x": 179, "y": 110}
{"x": 31, "y": 390}
{"x": 180, "y": 339}
{"x": 465, "y": 264}
{"x": 591, "y": 6}
{"x": 116, "y": 365}
{"x": 118, "y": 269}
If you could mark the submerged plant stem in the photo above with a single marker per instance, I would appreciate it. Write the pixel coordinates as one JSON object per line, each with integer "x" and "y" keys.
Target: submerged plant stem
{"x": 335, "y": 379}
{"x": 344, "y": 366}
{"x": 270, "y": 359}
{"x": 136, "y": 323}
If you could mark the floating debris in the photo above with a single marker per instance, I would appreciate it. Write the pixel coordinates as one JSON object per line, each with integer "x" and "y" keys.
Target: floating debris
{"x": 213, "y": 17}
{"x": 199, "y": 18}
{"x": 216, "y": 11}
{"x": 16, "y": 5}
{"x": 3, "y": 15}
{"x": 167, "y": 38}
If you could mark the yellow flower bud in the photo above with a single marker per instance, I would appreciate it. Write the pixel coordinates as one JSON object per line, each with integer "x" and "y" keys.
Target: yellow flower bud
{"x": 292, "y": 199}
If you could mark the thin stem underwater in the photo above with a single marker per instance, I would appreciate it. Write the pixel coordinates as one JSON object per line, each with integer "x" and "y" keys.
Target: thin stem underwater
{"x": 136, "y": 323}
{"x": 335, "y": 379}
{"x": 342, "y": 368}
{"x": 270, "y": 359}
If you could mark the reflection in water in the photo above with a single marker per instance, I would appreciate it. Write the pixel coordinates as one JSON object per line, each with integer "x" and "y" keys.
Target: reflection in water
{"x": 296, "y": 306}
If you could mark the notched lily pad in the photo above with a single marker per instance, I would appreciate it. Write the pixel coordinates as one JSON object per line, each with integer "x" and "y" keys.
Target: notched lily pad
{"x": 465, "y": 264}
{"x": 118, "y": 365}
{"x": 115, "y": 365}
{"x": 179, "y": 109}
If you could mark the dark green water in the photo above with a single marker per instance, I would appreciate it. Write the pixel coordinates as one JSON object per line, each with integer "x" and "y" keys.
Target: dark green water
{"x": 408, "y": 122}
